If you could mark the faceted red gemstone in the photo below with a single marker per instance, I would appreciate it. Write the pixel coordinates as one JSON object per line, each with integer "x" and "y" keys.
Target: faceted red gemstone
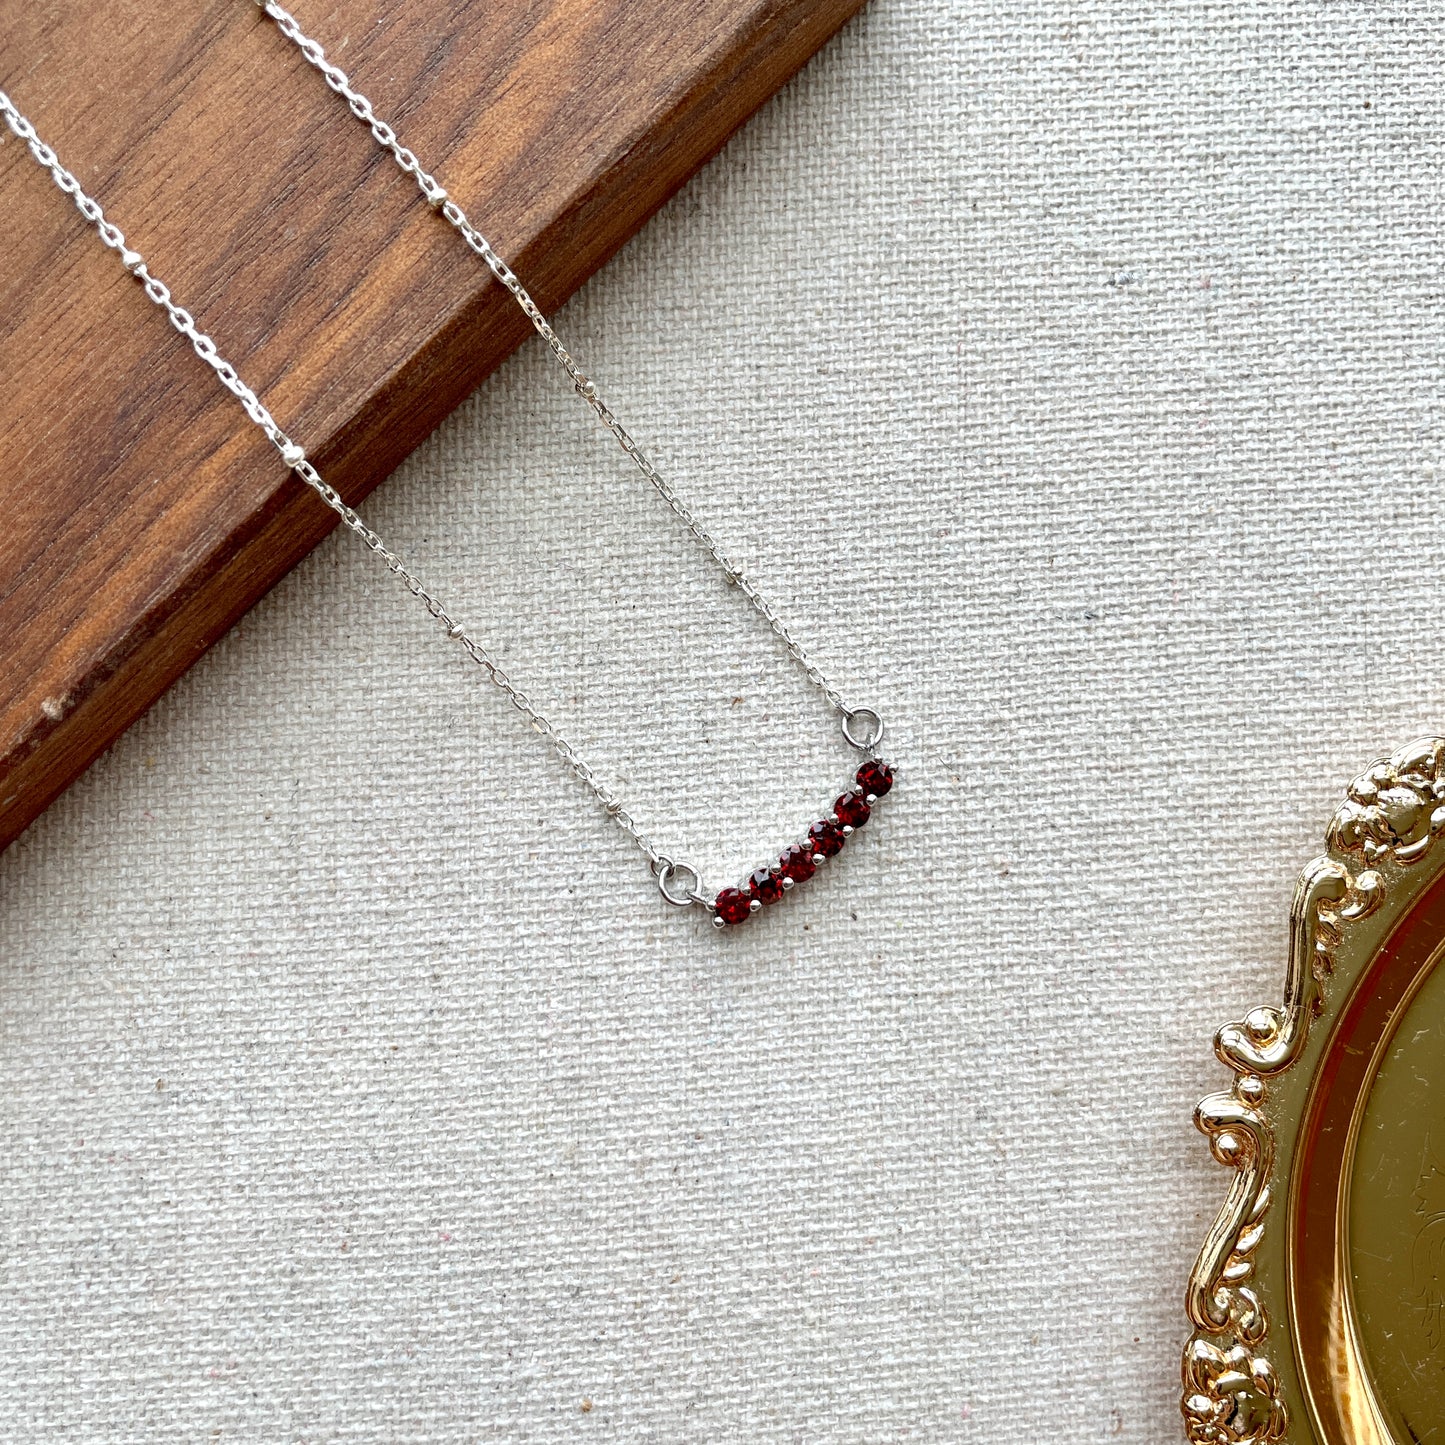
{"x": 797, "y": 863}
{"x": 851, "y": 811}
{"x": 874, "y": 777}
{"x": 733, "y": 905}
{"x": 826, "y": 837}
{"x": 766, "y": 885}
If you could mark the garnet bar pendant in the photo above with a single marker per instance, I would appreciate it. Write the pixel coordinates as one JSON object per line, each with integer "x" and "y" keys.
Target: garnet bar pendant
{"x": 798, "y": 863}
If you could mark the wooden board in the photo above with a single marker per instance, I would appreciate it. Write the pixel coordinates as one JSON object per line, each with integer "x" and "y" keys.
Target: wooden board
{"x": 139, "y": 514}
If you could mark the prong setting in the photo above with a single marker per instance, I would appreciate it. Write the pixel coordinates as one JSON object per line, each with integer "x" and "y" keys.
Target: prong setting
{"x": 798, "y": 863}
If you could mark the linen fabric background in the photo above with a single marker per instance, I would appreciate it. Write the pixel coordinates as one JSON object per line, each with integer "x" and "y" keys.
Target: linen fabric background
{"x": 1070, "y": 376}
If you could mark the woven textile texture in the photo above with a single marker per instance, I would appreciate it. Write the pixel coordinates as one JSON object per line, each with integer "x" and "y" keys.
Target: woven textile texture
{"x": 1070, "y": 375}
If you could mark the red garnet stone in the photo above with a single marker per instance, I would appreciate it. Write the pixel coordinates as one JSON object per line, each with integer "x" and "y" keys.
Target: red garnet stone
{"x": 874, "y": 777}
{"x": 766, "y": 886}
{"x": 826, "y": 837}
{"x": 733, "y": 905}
{"x": 851, "y": 811}
{"x": 797, "y": 864}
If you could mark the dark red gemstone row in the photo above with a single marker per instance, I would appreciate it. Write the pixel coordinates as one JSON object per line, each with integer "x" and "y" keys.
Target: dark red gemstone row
{"x": 798, "y": 864}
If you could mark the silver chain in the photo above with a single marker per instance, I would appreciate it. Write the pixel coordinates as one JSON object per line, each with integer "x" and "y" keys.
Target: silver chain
{"x": 436, "y": 197}
{"x": 669, "y": 872}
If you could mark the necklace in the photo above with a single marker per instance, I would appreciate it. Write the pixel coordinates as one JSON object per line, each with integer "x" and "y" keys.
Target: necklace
{"x": 679, "y": 883}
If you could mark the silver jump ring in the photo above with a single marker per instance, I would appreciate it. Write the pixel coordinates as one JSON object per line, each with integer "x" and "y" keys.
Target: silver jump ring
{"x": 667, "y": 872}
{"x": 874, "y": 734}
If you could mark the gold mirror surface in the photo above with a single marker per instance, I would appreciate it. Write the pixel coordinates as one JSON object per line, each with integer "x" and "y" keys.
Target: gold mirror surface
{"x": 1317, "y": 1303}
{"x": 1396, "y": 1219}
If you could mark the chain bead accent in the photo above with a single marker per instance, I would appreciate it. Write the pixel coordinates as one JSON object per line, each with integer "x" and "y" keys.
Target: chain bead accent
{"x": 295, "y": 458}
{"x": 432, "y": 191}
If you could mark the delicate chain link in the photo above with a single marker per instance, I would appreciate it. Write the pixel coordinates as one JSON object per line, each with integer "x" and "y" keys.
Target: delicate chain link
{"x": 112, "y": 236}
{"x": 436, "y": 197}
{"x": 668, "y": 871}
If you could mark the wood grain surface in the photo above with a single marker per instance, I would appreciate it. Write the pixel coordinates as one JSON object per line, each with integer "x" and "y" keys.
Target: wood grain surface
{"x": 140, "y": 514}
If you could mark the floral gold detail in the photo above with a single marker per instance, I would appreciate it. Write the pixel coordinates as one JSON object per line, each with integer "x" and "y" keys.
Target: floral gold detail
{"x": 1230, "y": 1396}
{"x": 1396, "y": 809}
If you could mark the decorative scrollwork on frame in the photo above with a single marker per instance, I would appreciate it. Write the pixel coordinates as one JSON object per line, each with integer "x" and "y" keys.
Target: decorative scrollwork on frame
{"x": 1392, "y": 814}
{"x": 1269, "y": 1040}
{"x": 1220, "y": 1300}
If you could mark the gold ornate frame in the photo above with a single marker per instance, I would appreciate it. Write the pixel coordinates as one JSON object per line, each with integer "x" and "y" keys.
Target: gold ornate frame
{"x": 1278, "y": 1350}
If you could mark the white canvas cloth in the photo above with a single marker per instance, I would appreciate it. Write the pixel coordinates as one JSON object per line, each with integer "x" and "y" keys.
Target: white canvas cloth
{"x": 1070, "y": 375}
